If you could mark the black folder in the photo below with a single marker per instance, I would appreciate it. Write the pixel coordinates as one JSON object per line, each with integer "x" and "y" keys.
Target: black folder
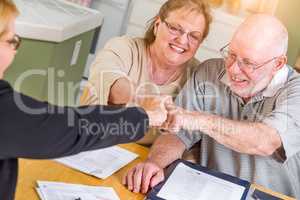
{"x": 152, "y": 195}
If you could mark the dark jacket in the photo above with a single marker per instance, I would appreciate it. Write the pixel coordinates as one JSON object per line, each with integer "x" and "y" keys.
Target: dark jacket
{"x": 50, "y": 131}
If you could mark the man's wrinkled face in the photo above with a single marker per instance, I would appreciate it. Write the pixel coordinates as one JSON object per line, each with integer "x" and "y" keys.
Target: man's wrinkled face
{"x": 248, "y": 74}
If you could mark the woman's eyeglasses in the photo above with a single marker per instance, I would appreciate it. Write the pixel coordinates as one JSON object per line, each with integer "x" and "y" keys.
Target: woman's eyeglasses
{"x": 244, "y": 64}
{"x": 15, "y": 42}
{"x": 194, "y": 36}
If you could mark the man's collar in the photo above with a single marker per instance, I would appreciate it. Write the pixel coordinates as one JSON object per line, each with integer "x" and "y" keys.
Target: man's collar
{"x": 277, "y": 82}
{"x": 280, "y": 78}
{"x": 223, "y": 77}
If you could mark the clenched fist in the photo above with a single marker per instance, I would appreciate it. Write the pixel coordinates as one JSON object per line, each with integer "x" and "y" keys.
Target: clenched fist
{"x": 154, "y": 105}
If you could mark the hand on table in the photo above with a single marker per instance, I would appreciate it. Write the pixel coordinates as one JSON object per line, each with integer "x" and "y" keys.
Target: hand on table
{"x": 143, "y": 177}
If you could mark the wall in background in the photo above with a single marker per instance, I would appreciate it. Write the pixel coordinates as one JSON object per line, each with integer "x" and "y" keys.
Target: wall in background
{"x": 288, "y": 12}
{"x": 222, "y": 28}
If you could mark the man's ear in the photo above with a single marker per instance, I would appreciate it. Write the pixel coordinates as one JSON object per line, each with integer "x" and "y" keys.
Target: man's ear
{"x": 279, "y": 63}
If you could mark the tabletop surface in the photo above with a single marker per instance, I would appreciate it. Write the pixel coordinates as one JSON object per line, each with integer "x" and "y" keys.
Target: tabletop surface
{"x": 47, "y": 170}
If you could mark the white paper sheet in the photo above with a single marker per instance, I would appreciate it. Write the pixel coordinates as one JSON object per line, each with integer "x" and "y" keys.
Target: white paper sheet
{"x": 100, "y": 163}
{"x": 63, "y": 191}
{"x": 186, "y": 183}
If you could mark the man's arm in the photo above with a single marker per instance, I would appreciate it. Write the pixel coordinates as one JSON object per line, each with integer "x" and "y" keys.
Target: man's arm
{"x": 245, "y": 137}
{"x": 165, "y": 150}
{"x": 145, "y": 175}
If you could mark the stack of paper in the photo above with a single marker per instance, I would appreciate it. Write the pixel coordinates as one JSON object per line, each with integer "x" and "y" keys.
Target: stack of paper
{"x": 100, "y": 163}
{"x": 63, "y": 191}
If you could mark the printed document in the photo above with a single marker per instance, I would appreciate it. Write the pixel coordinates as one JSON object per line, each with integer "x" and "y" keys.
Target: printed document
{"x": 100, "y": 163}
{"x": 64, "y": 191}
{"x": 186, "y": 183}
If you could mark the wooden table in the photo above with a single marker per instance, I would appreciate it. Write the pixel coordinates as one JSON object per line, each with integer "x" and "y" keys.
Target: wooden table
{"x": 32, "y": 170}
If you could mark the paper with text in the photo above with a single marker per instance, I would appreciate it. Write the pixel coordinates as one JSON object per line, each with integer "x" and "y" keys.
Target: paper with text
{"x": 186, "y": 183}
{"x": 64, "y": 191}
{"x": 100, "y": 163}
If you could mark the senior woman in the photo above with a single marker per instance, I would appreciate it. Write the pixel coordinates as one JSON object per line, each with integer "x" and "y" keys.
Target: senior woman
{"x": 158, "y": 64}
{"x": 48, "y": 134}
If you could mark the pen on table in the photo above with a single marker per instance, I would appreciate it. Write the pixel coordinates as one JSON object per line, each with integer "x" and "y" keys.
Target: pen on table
{"x": 78, "y": 198}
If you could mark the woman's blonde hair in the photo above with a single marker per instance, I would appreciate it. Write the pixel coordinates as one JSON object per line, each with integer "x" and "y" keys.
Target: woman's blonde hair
{"x": 200, "y": 6}
{"x": 8, "y": 10}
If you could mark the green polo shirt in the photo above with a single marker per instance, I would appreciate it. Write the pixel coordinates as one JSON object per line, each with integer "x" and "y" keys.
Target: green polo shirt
{"x": 277, "y": 106}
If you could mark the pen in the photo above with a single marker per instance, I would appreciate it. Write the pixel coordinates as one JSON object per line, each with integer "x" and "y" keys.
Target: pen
{"x": 78, "y": 198}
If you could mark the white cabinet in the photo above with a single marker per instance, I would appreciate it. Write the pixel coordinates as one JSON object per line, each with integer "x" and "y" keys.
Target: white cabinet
{"x": 54, "y": 20}
{"x": 221, "y": 31}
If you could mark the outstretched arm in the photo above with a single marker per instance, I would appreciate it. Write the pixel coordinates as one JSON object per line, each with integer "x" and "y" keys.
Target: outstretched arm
{"x": 34, "y": 129}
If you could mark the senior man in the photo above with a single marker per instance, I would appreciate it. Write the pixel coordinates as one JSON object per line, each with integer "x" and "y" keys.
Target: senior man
{"x": 244, "y": 110}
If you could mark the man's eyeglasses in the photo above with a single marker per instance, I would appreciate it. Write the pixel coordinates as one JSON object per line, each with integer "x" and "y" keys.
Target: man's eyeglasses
{"x": 15, "y": 42}
{"x": 194, "y": 37}
{"x": 244, "y": 64}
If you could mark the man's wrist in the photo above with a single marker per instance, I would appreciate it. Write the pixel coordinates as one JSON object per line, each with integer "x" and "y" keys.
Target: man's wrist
{"x": 193, "y": 121}
{"x": 153, "y": 161}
